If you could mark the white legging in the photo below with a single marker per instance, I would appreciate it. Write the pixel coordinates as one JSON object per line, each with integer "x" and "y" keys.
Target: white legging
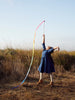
{"x": 51, "y": 76}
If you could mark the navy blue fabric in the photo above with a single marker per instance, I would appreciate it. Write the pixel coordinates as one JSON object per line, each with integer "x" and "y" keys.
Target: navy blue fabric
{"x": 47, "y": 64}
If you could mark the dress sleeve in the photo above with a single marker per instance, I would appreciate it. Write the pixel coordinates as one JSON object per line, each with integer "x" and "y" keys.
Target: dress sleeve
{"x": 44, "y": 47}
{"x": 50, "y": 50}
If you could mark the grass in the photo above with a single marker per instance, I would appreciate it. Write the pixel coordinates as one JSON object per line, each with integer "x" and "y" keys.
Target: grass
{"x": 16, "y": 62}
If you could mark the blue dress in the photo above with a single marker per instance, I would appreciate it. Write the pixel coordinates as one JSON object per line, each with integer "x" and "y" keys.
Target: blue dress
{"x": 47, "y": 64}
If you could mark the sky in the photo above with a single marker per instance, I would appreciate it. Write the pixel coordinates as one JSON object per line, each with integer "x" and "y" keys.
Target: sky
{"x": 19, "y": 19}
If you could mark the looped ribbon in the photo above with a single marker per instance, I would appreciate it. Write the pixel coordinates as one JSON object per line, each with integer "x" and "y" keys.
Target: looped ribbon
{"x": 32, "y": 55}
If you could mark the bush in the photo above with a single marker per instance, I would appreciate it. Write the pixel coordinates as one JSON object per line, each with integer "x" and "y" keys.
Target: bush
{"x": 64, "y": 59}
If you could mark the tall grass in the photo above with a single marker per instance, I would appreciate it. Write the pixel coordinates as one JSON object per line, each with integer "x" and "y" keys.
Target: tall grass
{"x": 16, "y": 62}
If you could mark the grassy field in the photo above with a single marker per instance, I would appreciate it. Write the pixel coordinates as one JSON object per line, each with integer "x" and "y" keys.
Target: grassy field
{"x": 14, "y": 65}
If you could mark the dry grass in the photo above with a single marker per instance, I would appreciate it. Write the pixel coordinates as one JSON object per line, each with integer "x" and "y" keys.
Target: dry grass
{"x": 16, "y": 62}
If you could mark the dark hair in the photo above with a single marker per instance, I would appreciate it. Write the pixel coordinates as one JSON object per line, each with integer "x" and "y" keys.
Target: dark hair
{"x": 49, "y": 47}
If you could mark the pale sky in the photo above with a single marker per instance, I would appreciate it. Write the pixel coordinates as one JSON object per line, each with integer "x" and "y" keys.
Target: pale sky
{"x": 19, "y": 19}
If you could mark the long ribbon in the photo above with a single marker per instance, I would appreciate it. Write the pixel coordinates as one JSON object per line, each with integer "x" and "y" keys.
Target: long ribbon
{"x": 32, "y": 56}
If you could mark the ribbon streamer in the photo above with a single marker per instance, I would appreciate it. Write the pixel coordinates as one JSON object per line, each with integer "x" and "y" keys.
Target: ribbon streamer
{"x": 32, "y": 56}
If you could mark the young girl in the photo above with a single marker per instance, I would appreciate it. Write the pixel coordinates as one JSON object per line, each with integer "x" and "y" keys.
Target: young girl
{"x": 47, "y": 64}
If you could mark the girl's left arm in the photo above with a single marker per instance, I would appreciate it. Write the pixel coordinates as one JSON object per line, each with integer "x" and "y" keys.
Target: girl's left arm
{"x": 52, "y": 49}
{"x": 56, "y": 48}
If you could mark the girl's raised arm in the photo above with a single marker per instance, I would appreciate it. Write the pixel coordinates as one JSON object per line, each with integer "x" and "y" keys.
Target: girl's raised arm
{"x": 43, "y": 38}
{"x": 43, "y": 44}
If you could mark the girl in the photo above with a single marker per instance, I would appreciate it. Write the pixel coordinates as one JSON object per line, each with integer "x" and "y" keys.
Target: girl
{"x": 47, "y": 64}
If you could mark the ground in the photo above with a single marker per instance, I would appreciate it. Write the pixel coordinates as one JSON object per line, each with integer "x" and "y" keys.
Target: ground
{"x": 64, "y": 88}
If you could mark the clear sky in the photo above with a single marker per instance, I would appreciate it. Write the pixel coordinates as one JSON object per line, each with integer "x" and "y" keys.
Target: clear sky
{"x": 19, "y": 19}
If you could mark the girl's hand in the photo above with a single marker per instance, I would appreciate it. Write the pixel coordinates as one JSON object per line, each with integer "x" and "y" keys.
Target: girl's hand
{"x": 58, "y": 49}
{"x": 43, "y": 35}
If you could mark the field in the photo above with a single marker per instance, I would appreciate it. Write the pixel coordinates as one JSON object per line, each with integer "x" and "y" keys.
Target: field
{"x": 14, "y": 65}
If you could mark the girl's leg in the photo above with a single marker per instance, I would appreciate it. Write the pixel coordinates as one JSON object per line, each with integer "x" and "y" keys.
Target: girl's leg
{"x": 41, "y": 76}
{"x": 40, "y": 80}
{"x": 51, "y": 77}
